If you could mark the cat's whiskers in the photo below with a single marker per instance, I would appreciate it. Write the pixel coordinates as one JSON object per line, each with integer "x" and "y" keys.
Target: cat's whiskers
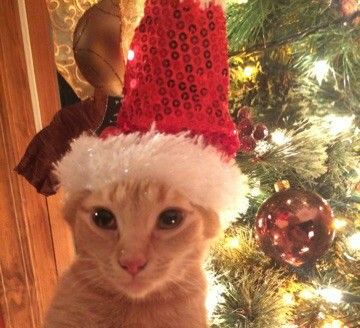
{"x": 184, "y": 285}
{"x": 86, "y": 278}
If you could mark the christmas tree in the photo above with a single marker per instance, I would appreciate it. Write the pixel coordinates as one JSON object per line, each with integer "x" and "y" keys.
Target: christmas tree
{"x": 295, "y": 81}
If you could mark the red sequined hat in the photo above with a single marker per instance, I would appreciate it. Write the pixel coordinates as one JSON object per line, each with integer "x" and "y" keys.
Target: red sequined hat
{"x": 174, "y": 126}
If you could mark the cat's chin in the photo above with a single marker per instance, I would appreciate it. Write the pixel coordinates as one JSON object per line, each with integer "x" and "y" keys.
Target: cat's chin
{"x": 136, "y": 289}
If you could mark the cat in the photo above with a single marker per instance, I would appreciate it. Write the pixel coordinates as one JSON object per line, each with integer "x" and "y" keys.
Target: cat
{"x": 140, "y": 247}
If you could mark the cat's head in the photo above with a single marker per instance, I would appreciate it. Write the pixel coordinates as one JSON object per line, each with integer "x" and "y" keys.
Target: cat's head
{"x": 139, "y": 236}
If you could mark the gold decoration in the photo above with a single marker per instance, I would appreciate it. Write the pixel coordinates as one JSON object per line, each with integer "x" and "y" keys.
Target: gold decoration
{"x": 65, "y": 14}
{"x": 132, "y": 12}
{"x": 281, "y": 185}
{"x": 244, "y": 72}
{"x": 97, "y": 47}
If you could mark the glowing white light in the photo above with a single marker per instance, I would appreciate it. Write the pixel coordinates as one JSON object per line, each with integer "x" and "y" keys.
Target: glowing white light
{"x": 279, "y": 137}
{"x": 288, "y": 299}
{"x": 131, "y": 55}
{"x": 233, "y": 243}
{"x": 304, "y": 250}
{"x": 331, "y": 294}
{"x": 262, "y": 147}
{"x": 339, "y": 124}
{"x": 321, "y": 315}
{"x": 320, "y": 70}
{"x": 339, "y": 224}
{"x": 249, "y": 71}
{"x": 256, "y": 191}
{"x": 215, "y": 291}
{"x": 311, "y": 234}
{"x": 354, "y": 241}
{"x": 306, "y": 294}
{"x": 333, "y": 324}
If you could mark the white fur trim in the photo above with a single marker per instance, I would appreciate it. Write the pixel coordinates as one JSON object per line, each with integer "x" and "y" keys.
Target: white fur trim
{"x": 195, "y": 170}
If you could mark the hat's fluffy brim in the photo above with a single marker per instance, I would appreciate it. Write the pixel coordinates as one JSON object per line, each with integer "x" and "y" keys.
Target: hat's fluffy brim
{"x": 197, "y": 171}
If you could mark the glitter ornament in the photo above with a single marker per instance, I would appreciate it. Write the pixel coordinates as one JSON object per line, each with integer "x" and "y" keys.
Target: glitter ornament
{"x": 243, "y": 112}
{"x": 245, "y": 127}
{"x": 248, "y": 134}
{"x": 295, "y": 227}
{"x": 260, "y": 131}
{"x": 97, "y": 48}
{"x": 247, "y": 144}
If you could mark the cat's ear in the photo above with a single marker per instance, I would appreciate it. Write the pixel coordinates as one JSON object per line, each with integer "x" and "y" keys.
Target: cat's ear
{"x": 211, "y": 223}
{"x": 72, "y": 204}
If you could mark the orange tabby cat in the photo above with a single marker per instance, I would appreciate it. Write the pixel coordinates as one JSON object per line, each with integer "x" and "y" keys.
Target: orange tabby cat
{"x": 140, "y": 248}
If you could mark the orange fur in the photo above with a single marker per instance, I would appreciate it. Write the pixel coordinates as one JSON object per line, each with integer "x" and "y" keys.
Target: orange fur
{"x": 170, "y": 292}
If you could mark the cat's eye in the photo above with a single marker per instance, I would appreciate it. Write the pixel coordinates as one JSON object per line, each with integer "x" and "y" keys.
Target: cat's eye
{"x": 170, "y": 219}
{"x": 104, "y": 218}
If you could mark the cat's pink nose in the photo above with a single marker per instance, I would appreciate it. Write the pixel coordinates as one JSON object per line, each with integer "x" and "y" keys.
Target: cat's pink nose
{"x": 133, "y": 266}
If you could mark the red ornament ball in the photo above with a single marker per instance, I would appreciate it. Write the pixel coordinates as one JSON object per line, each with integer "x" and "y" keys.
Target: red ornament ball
{"x": 243, "y": 112}
{"x": 245, "y": 127}
{"x": 260, "y": 132}
{"x": 295, "y": 227}
{"x": 247, "y": 144}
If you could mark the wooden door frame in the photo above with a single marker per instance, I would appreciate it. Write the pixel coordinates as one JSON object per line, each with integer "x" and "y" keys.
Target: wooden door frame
{"x": 46, "y": 90}
{"x": 35, "y": 245}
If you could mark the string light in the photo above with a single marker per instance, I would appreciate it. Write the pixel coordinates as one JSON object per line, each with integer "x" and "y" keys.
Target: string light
{"x": 320, "y": 70}
{"x": 131, "y": 55}
{"x": 288, "y": 299}
{"x": 306, "y": 294}
{"x": 255, "y": 191}
{"x": 331, "y": 294}
{"x": 354, "y": 241}
{"x": 262, "y": 147}
{"x": 338, "y": 124}
{"x": 333, "y": 324}
{"x": 214, "y": 296}
{"x": 249, "y": 71}
{"x": 279, "y": 137}
{"x": 339, "y": 224}
{"x": 321, "y": 315}
{"x": 232, "y": 242}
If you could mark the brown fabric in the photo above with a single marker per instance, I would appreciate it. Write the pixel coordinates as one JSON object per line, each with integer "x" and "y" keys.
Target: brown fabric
{"x": 52, "y": 142}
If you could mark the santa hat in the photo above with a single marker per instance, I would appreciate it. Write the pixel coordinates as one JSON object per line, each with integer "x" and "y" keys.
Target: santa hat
{"x": 174, "y": 126}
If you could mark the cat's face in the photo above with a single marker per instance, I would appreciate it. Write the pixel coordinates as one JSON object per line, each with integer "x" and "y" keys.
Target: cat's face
{"x": 140, "y": 237}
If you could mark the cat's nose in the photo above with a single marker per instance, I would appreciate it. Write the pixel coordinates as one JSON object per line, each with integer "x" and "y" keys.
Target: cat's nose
{"x": 133, "y": 266}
